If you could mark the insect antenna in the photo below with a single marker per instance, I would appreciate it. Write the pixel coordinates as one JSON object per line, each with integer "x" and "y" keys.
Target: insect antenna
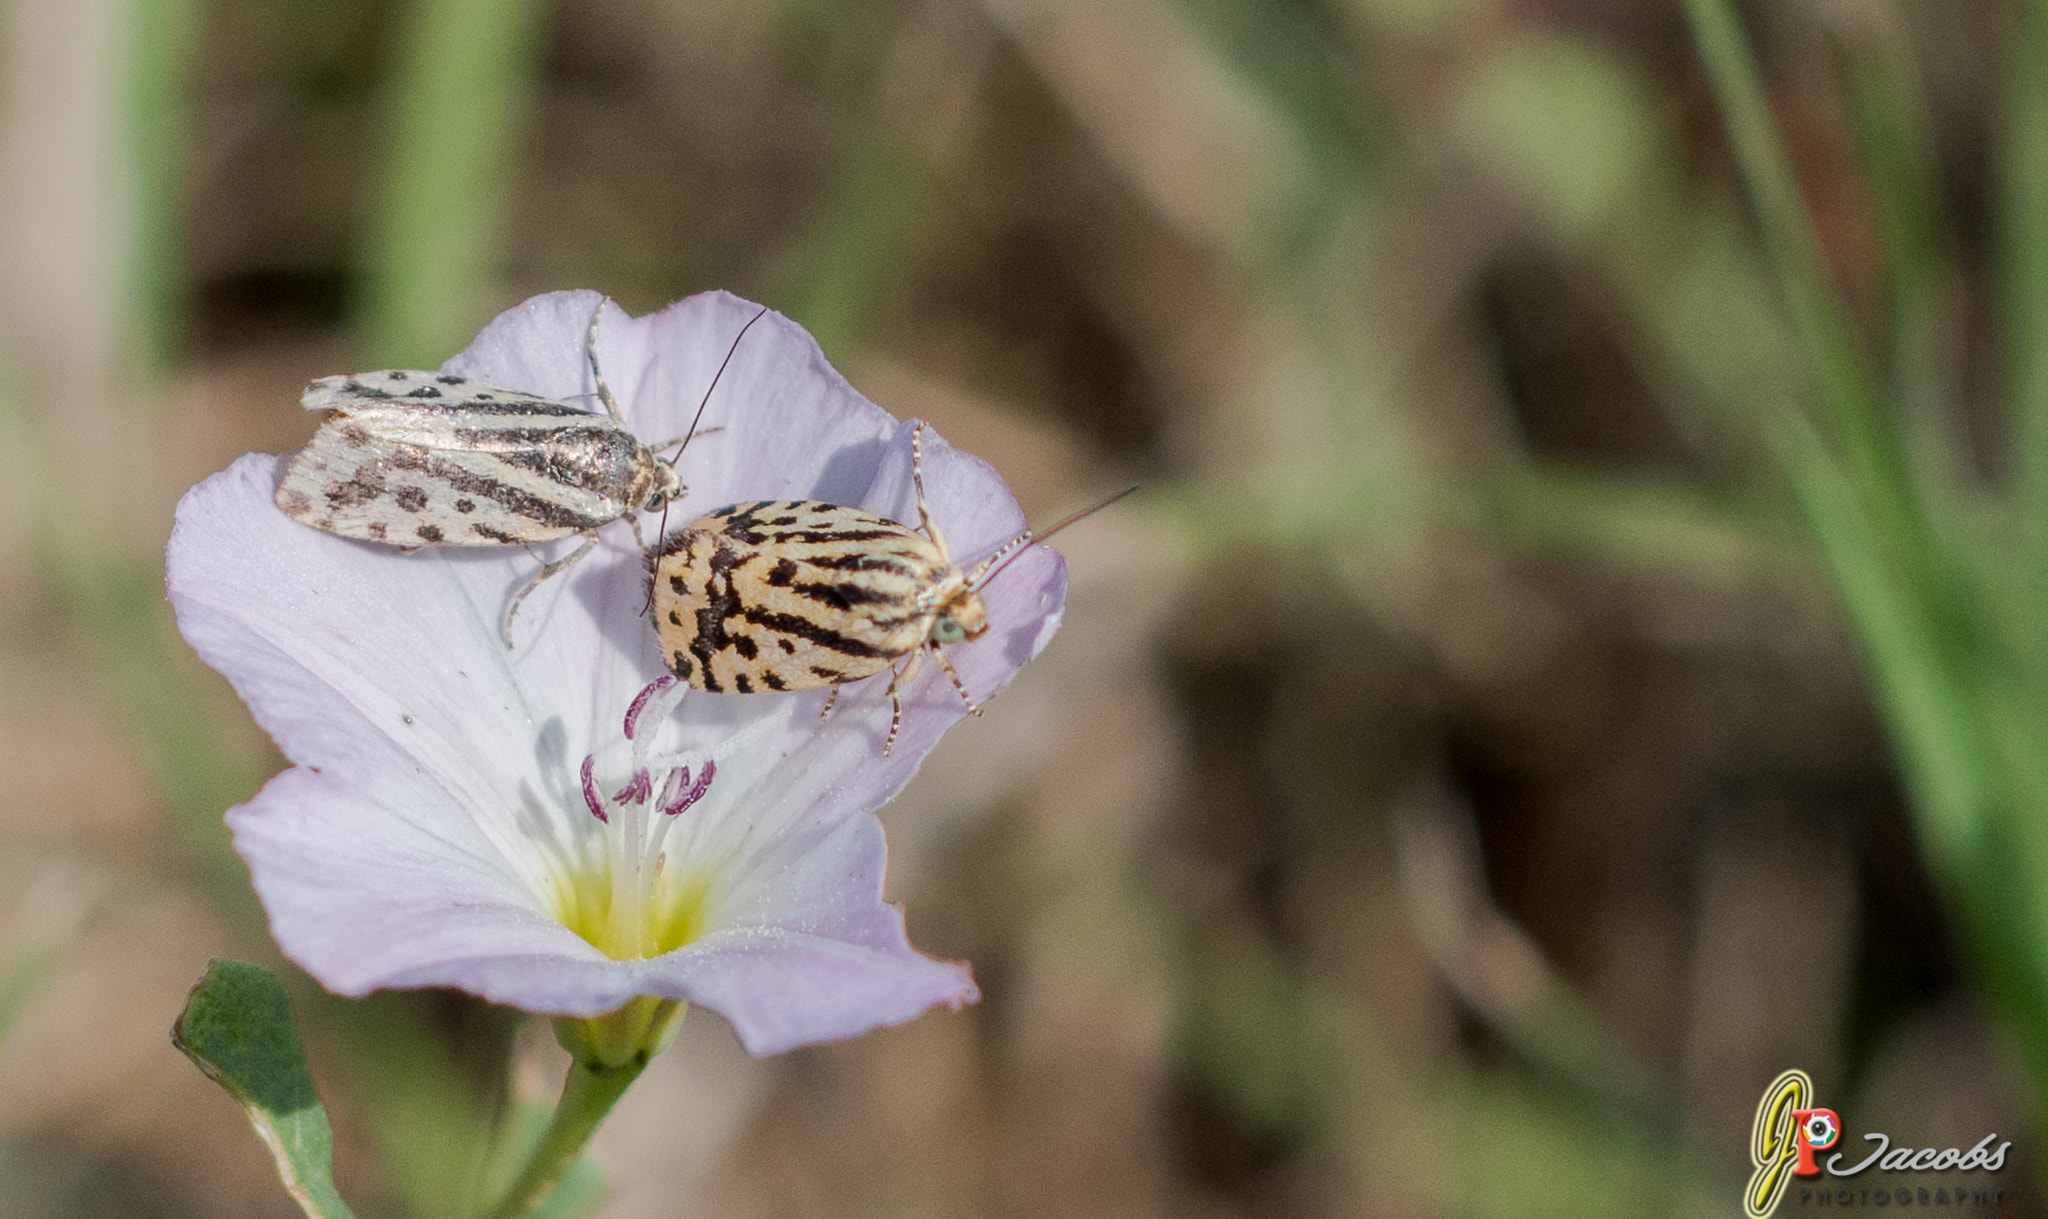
{"x": 699, "y": 416}
{"x": 661, "y": 535}
{"x": 694, "y": 421}
{"x": 1014, "y": 549}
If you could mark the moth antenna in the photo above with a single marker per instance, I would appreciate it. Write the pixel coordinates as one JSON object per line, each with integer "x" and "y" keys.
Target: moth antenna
{"x": 694, "y": 421}
{"x": 714, "y": 381}
{"x": 660, "y": 536}
{"x": 1009, "y": 552}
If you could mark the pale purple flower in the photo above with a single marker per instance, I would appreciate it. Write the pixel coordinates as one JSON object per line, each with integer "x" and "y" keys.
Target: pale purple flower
{"x": 462, "y": 815}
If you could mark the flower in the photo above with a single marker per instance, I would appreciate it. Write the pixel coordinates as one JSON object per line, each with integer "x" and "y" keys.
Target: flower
{"x": 549, "y": 826}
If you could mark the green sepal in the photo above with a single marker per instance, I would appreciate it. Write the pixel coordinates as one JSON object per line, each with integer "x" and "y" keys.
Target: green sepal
{"x": 630, "y": 1036}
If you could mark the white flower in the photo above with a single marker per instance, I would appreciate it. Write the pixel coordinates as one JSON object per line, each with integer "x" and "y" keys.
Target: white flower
{"x": 463, "y": 815}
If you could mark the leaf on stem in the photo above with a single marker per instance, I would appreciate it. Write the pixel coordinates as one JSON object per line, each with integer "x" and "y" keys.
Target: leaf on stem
{"x": 237, "y": 1026}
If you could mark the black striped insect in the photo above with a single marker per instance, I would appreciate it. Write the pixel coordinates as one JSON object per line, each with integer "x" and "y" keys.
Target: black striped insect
{"x": 798, "y": 594}
{"x": 420, "y": 459}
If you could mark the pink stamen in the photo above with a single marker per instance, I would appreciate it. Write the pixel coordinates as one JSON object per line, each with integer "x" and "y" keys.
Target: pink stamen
{"x": 590, "y": 790}
{"x": 640, "y": 701}
{"x": 637, "y": 791}
{"x": 678, "y": 779}
{"x": 696, "y": 791}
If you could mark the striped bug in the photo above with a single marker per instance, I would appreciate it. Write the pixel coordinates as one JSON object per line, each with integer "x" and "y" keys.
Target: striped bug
{"x": 797, "y": 595}
{"x": 420, "y": 459}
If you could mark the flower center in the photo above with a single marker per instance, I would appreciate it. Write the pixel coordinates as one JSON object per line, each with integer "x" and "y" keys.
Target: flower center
{"x": 630, "y": 902}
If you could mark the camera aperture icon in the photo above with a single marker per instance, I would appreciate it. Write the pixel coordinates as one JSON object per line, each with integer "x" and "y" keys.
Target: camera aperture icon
{"x": 1822, "y": 1129}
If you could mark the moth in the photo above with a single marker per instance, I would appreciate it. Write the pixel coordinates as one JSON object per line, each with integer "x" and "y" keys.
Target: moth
{"x": 431, "y": 459}
{"x": 799, "y": 594}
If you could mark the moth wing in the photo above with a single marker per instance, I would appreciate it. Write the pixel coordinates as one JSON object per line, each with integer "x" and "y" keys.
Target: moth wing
{"x": 684, "y": 578}
{"x": 792, "y": 595}
{"x": 356, "y": 480}
{"x": 429, "y": 390}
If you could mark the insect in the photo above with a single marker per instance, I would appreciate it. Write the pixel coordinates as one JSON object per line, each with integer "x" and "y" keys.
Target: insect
{"x": 798, "y": 595}
{"x": 431, "y": 459}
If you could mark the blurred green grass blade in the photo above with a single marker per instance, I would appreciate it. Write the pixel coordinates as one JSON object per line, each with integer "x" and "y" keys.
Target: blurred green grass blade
{"x": 237, "y": 1027}
{"x": 163, "y": 37}
{"x": 1934, "y": 723}
{"x": 863, "y": 240}
{"x": 437, "y": 224}
{"x": 1967, "y": 729}
{"x": 1854, "y": 409}
{"x": 2024, "y": 266}
{"x": 1894, "y": 134}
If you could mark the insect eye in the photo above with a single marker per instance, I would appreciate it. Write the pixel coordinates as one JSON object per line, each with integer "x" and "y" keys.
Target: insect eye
{"x": 947, "y": 630}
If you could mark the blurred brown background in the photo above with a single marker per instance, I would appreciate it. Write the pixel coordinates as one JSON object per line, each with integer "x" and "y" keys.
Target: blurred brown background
{"x": 1453, "y": 793}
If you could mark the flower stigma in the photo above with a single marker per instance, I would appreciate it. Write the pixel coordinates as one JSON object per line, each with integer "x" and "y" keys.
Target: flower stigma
{"x": 627, "y": 901}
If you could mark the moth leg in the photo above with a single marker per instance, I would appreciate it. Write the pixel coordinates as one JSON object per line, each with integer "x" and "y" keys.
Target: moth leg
{"x": 946, "y": 663}
{"x": 895, "y": 719}
{"x": 604, "y": 393}
{"x": 550, "y": 569}
{"x": 830, "y": 699}
{"x": 898, "y": 679}
{"x": 924, "y": 515}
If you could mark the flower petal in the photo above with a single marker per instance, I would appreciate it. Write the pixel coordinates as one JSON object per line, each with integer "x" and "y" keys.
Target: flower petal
{"x": 366, "y": 893}
{"x": 790, "y": 426}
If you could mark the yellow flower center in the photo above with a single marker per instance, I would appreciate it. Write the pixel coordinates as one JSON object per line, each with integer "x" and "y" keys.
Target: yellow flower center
{"x": 625, "y": 896}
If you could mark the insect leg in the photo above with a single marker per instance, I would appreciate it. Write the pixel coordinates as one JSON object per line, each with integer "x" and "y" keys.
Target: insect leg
{"x": 895, "y": 716}
{"x": 899, "y": 678}
{"x": 830, "y": 699}
{"x": 604, "y": 393}
{"x": 549, "y": 569}
{"x": 946, "y": 663}
{"x": 924, "y": 516}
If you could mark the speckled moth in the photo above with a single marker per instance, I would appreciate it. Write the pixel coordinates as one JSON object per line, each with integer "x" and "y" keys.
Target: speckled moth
{"x": 797, "y": 595}
{"x": 429, "y": 459}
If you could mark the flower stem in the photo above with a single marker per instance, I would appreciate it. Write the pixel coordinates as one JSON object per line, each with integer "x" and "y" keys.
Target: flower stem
{"x": 587, "y": 1095}
{"x": 609, "y": 1052}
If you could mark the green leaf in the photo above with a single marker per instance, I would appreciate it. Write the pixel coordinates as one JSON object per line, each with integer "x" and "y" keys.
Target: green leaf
{"x": 237, "y": 1025}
